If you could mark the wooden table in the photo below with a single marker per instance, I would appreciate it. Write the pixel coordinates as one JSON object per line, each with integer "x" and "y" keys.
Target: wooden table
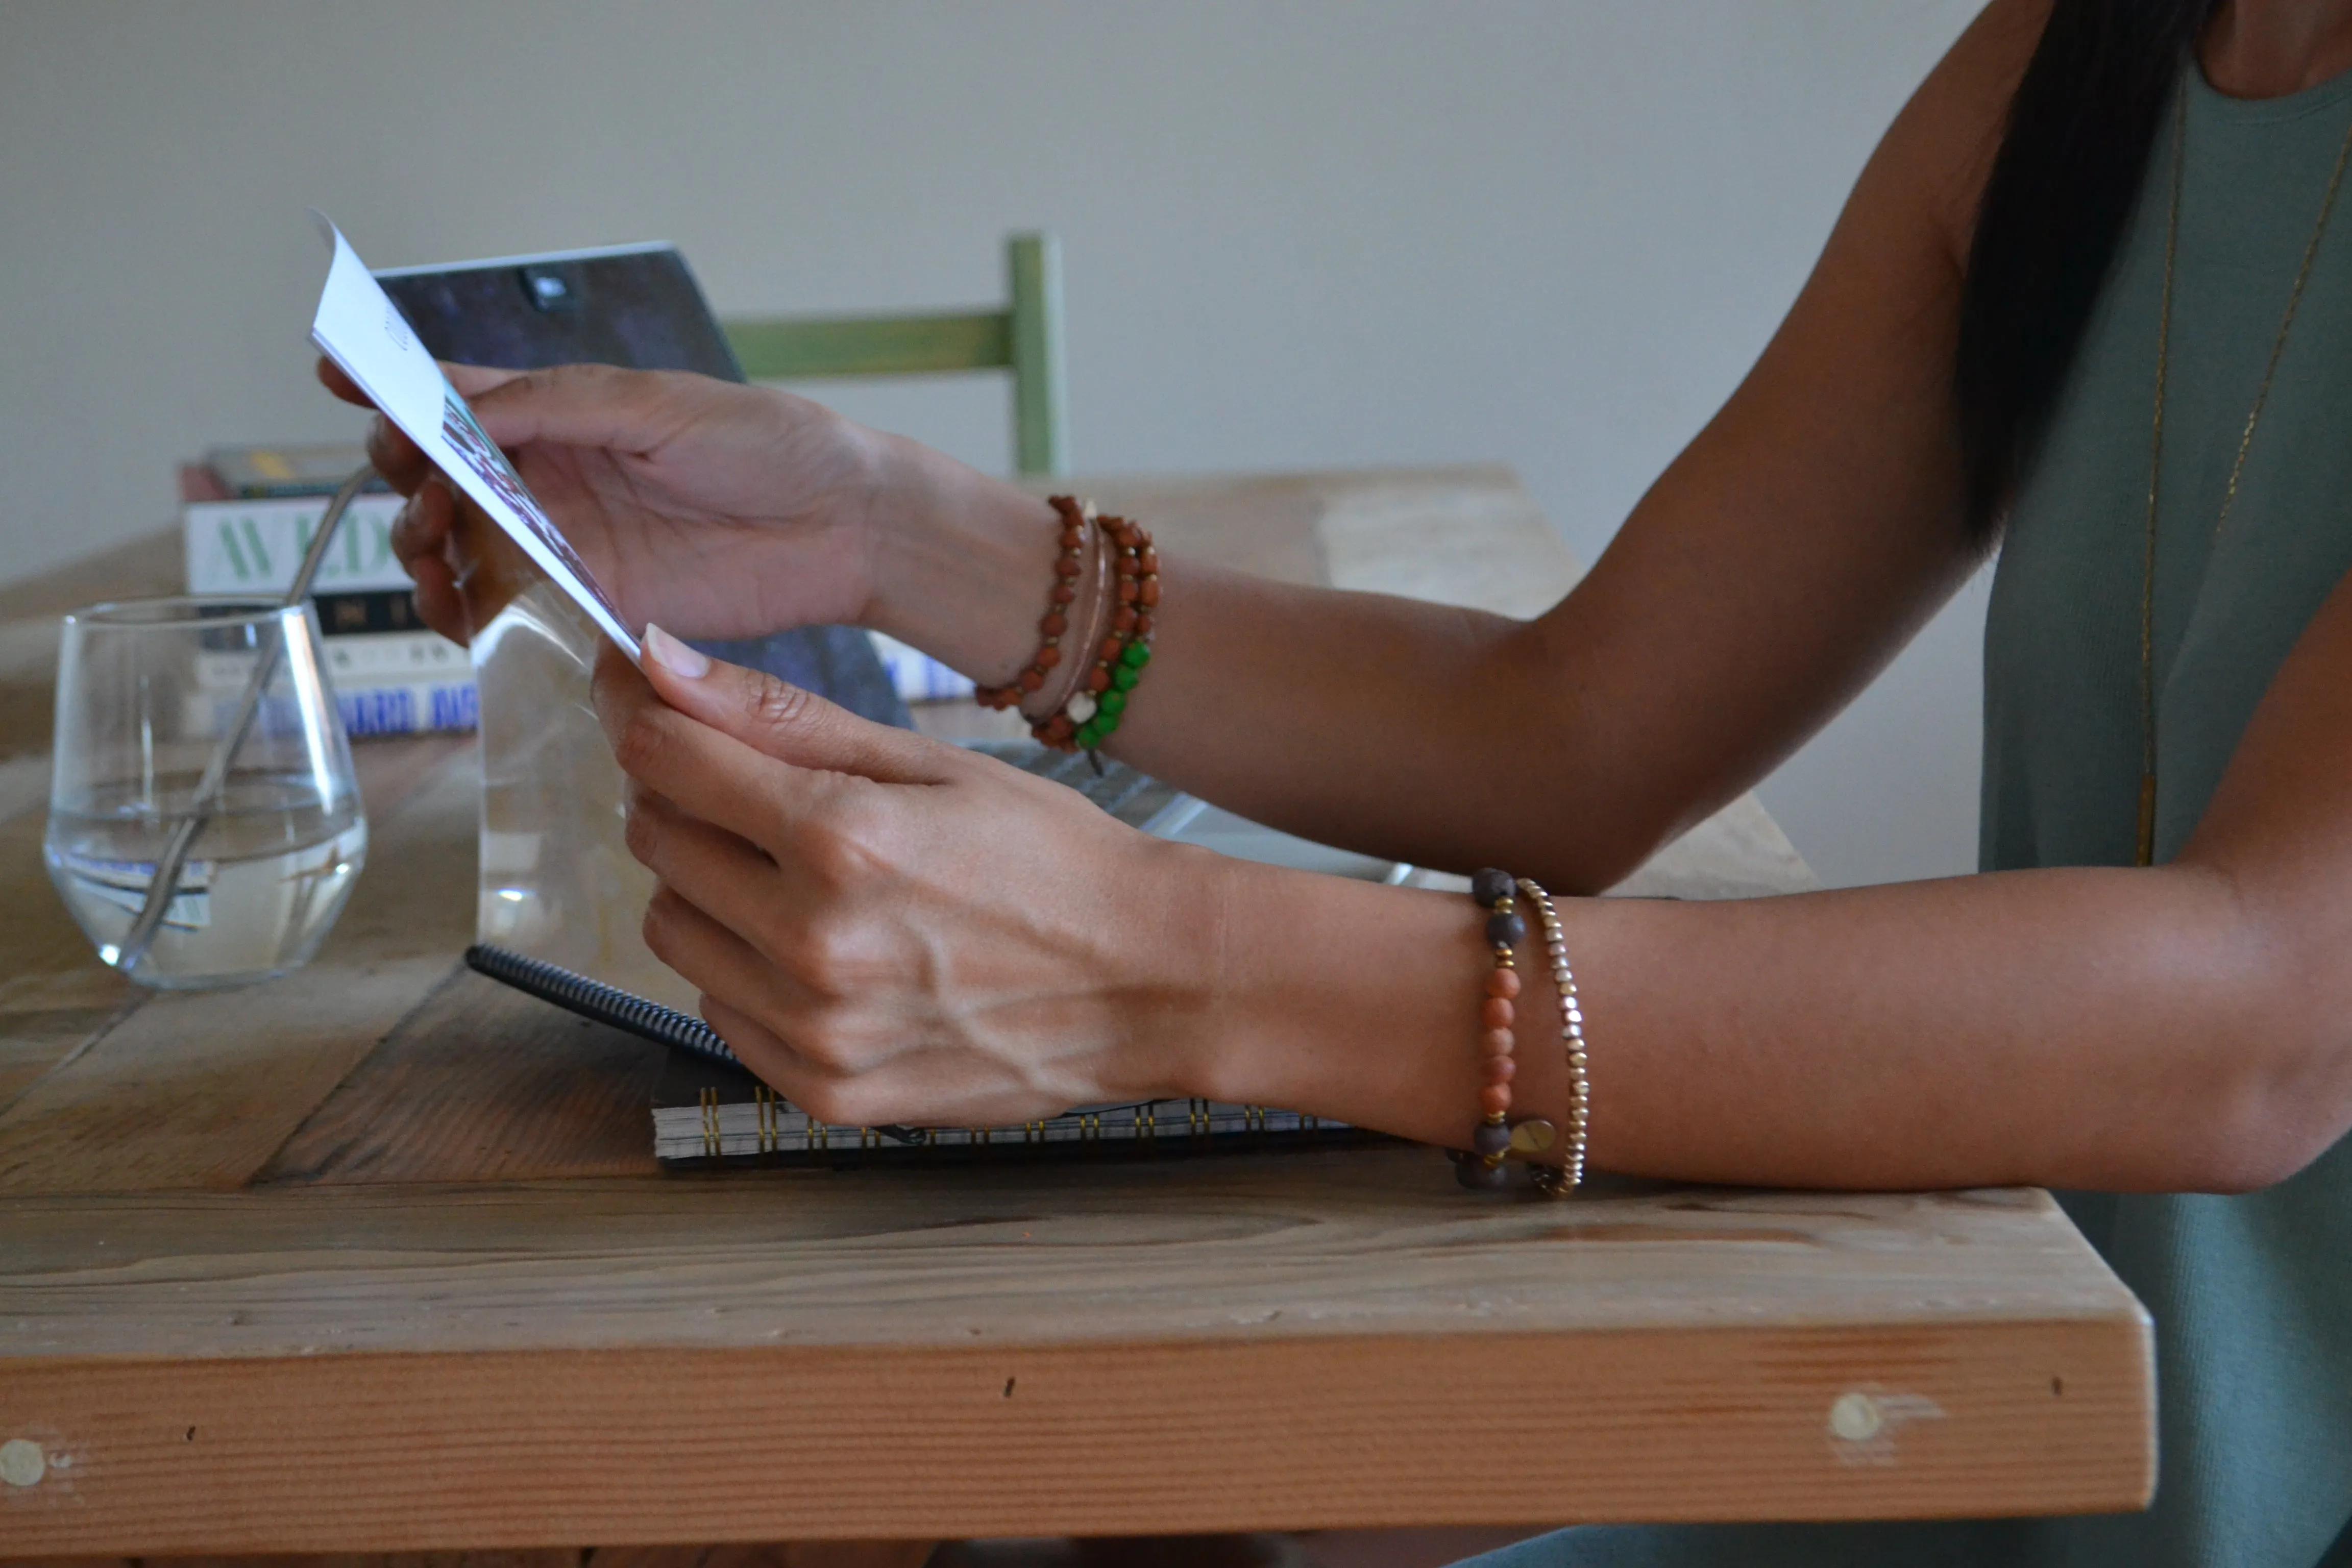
{"x": 376, "y": 1257}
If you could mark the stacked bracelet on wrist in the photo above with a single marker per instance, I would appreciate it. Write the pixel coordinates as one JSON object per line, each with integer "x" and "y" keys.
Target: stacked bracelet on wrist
{"x": 1560, "y": 1181}
{"x": 1056, "y": 620}
{"x": 1117, "y": 605}
{"x": 1495, "y": 1137}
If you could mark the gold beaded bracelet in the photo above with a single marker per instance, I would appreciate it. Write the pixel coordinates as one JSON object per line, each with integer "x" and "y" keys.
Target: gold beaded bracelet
{"x": 1560, "y": 1181}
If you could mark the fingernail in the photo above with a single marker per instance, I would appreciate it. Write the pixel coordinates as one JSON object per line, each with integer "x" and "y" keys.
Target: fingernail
{"x": 673, "y": 654}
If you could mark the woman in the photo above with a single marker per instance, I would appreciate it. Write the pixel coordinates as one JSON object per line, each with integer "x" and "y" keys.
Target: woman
{"x": 2087, "y": 299}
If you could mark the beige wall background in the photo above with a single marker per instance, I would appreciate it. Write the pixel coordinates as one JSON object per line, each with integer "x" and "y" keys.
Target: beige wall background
{"x": 1299, "y": 233}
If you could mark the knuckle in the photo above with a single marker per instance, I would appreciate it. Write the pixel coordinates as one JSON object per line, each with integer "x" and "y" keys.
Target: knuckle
{"x": 659, "y": 926}
{"x": 642, "y": 833}
{"x": 778, "y": 706}
{"x": 639, "y": 742}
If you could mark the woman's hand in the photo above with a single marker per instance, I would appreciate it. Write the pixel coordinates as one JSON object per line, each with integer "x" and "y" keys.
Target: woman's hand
{"x": 890, "y": 929}
{"x": 717, "y": 509}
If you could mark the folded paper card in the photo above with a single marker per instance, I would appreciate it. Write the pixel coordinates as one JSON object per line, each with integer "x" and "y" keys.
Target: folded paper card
{"x": 359, "y": 327}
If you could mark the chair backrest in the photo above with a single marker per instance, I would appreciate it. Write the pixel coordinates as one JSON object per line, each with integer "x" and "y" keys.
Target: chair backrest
{"x": 1025, "y": 338}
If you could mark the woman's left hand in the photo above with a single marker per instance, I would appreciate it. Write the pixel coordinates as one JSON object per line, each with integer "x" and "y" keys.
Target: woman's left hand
{"x": 890, "y": 928}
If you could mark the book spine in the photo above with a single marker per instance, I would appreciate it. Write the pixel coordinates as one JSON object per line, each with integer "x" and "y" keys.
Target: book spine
{"x": 255, "y": 546}
{"x": 416, "y": 709}
{"x": 396, "y": 683}
{"x": 395, "y": 658}
{"x": 370, "y": 611}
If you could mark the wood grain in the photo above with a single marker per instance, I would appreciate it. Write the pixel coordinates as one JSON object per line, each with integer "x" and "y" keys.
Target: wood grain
{"x": 484, "y": 1084}
{"x": 339, "y": 1451}
{"x": 198, "y": 1088}
{"x": 1236, "y": 1246}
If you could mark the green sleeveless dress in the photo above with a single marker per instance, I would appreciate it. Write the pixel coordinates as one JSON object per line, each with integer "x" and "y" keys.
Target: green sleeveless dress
{"x": 2252, "y": 1295}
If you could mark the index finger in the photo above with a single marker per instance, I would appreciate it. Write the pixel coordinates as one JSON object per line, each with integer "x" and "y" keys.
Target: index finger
{"x": 703, "y": 771}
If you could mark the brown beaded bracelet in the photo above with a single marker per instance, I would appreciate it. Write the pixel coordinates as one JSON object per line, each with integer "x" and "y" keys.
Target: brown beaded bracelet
{"x": 1095, "y": 710}
{"x": 1056, "y": 619}
{"x": 1495, "y": 1138}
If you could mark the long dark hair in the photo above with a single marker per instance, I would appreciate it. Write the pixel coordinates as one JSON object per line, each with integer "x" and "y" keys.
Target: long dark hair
{"x": 2062, "y": 188}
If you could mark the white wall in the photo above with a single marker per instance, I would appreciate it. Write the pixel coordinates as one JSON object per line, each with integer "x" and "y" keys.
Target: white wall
{"x": 1297, "y": 234}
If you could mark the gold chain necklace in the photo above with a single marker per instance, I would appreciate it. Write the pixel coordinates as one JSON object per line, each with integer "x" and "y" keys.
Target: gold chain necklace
{"x": 2237, "y": 467}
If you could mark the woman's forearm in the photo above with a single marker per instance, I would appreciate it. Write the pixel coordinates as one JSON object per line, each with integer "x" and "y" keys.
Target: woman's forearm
{"x": 1365, "y": 720}
{"x": 2111, "y": 1029}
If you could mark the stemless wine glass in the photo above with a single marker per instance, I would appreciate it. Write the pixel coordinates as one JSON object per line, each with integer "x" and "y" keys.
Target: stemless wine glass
{"x": 146, "y": 690}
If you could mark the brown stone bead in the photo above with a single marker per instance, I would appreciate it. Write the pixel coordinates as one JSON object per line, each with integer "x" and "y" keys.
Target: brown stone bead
{"x": 1112, "y": 648}
{"x": 1126, "y": 590}
{"x": 1494, "y": 1099}
{"x": 1063, "y": 593}
{"x": 1072, "y": 539}
{"x": 1498, "y": 1013}
{"x": 1498, "y": 1042}
{"x": 1099, "y": 680}
{"x": 1055, "y": 623}
{"x": 1032, "y": 678}
{"x": 1501, "y": 1070}
{"x": 1048, "y": 657}
{"x": 1502, "y": 983}
{"x": 1150, "y": 590}
{"x": 1059, "y": 728}
{"x": 1067, "y": 566}
{"x": 1143, "y": 625}
{"x": 1124, "y": 620}
{"x": 1148, "y": 560}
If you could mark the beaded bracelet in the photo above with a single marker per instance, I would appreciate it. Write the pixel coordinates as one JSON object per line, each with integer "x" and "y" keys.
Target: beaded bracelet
{"x": 1495, "y": 1138}
{"x": 1559, "y": 1182}
{"x": 1093, "y": 714}
{"x": 1057, "y": 617}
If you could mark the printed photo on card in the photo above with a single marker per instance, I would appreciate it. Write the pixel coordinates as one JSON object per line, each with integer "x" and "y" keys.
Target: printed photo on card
{"x": 359, "y": 327}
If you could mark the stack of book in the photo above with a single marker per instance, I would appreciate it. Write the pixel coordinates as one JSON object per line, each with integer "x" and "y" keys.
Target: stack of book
{"x": 248, "y": 515}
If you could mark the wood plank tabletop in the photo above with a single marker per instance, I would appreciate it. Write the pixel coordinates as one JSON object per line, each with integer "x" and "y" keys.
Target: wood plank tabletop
{"x": 376, "y": 1258}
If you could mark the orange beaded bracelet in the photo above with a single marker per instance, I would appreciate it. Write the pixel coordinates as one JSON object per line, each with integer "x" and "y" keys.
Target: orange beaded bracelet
{"x": 1495, "y": 1138}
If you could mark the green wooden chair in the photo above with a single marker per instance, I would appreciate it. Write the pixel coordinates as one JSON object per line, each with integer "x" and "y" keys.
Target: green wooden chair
{"x": 1025, "y": 338}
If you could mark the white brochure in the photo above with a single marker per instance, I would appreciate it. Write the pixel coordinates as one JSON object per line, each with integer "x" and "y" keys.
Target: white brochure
{"x": 364, "y": 333}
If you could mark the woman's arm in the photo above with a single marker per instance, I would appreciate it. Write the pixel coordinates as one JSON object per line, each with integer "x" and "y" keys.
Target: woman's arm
{"x": 1774, "y": 569}
{"x": 890, "y": 930}
{"x": 2186, "y": 1028}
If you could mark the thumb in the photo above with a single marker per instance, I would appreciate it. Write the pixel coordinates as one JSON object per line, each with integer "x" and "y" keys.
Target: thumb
{"x": 786, "y": 722}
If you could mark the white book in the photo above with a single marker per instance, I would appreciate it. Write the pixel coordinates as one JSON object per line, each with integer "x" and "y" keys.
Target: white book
{"x": 386, "y": 683}
{"x": 255, "y": 546}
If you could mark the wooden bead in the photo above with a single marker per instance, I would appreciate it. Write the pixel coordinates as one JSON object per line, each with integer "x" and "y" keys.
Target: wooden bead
{"x": 1148, "y": 559}
{"x": 1498, "y": 1042}
{"x": 1494, "y": 1099}
{"x": 1112, "y": 648}
{"x": 1125, "y": 620}
{"x": 1502, "y": 983}
{"x": 1143, "y": 625}
{"x": 1501, "y": 1070}
{"x": 1055, "y": 623}
{"x": 1048, "y": 657}
{"x": 1151, "y": 591}
{"x": 1126, "y": 590}
{"x": 1032, "y": 679}
{"x": 1063, "y": 593}
{"x": 1098, "y": 679}
{"x": 1498, "y": 1013}
{"x": 1491, "y": 887}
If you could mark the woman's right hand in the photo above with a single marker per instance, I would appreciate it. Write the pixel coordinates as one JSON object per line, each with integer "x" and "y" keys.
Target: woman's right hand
{"x": 714, "y": 509}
